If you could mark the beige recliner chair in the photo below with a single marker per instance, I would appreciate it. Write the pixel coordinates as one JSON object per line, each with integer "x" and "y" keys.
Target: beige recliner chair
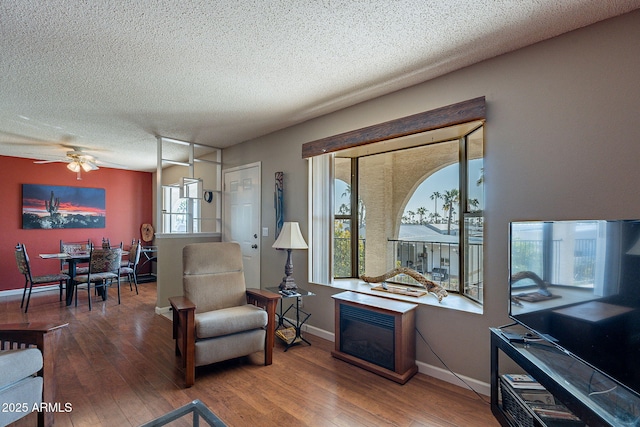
{"x": 217, "y": 318}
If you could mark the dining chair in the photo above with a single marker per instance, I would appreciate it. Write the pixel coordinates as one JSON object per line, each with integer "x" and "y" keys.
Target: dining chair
{"x": 130, "y": 270}
{"x": 74, "y": 248}
{"x": 24, "y": 266}
{"x": 106, "y": 244}
{"x": 104, "y": 267}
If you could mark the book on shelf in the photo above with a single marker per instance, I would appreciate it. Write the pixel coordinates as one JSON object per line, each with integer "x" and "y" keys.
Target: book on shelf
{"x": 522, "y": 381}
{"x": 554, "y": 412}
{"x": 536, "y": 397}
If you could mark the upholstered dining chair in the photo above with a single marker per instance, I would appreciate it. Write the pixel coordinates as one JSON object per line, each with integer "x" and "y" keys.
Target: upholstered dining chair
{"x": 24, "y": 266}
{"x": 130, "y": 268}
{"x": 218, "y": 318}
{"x": 74, "y": 248}
{"x": 104, "y": 267}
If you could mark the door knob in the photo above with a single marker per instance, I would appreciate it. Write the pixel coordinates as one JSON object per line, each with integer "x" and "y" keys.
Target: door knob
{"x": 255, "y": 236}
{"x": 254, "y": 246}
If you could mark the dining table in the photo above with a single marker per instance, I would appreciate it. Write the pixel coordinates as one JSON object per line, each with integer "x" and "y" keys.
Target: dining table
{"x": 72, "y": 261}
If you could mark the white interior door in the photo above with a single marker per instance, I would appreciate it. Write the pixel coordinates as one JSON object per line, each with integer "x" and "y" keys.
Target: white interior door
{"x": 241, "y": 216}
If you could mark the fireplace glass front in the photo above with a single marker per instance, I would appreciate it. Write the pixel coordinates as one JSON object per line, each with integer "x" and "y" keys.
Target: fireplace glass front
{"x": 368, "y": 335}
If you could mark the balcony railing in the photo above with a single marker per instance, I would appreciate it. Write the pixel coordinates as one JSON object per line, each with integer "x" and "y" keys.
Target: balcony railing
{"x": 437, "y": 261}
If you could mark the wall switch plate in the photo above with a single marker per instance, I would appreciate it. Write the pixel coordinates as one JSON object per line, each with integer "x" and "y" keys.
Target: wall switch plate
{"x": 265, "y": 231}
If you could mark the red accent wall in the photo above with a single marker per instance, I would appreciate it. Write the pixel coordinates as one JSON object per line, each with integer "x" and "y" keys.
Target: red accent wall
{"x": 128, "y": 204}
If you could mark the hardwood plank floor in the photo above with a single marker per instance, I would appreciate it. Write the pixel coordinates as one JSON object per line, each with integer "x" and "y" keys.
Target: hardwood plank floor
{"x": 116, "y": 366}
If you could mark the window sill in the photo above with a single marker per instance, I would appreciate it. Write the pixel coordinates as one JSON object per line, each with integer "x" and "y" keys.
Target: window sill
{"x": 452, "y": 302}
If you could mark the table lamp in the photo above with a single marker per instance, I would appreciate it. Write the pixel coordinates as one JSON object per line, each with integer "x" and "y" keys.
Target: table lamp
{"x": 289, "y": 238}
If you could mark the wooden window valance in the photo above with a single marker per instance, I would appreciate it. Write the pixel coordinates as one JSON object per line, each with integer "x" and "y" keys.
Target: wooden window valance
{"x": 451, "y": 115}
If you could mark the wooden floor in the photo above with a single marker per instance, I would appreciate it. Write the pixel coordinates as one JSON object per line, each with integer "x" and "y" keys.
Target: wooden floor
{"x": 116, "y": 367}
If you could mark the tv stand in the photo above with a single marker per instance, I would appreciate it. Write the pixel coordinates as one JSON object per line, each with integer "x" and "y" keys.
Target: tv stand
{"x": 593, "y": 397}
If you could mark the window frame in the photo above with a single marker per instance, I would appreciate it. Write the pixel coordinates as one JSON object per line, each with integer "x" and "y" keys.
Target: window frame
{"x": 462, "y": 206}
{"x": 466, "y": 112}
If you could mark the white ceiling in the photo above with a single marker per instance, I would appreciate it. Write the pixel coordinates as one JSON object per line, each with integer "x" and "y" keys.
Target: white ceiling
{"x": 109, "y": 76}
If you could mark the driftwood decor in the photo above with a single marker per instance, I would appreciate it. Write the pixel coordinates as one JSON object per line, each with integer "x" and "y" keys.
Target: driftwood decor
{"x": 432, "y": 287}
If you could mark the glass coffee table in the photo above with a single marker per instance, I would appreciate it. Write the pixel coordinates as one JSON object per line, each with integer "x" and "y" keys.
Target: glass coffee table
{"x": 196, "y": 408}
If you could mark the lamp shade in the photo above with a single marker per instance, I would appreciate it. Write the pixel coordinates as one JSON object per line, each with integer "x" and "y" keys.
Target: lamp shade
{"x": 290, "y": 237}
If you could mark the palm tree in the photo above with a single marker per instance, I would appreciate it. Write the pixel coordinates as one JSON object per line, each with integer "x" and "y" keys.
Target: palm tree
{"x": 344, "y": 208}
{"x": 480, "y": 180}
{"x": 421, "y": 211}
{"x": 450, "y": 201}
{"x": 435, "y": 196}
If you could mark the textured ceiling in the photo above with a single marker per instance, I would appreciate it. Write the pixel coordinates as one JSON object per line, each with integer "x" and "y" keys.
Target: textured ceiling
{"x": 110, "y": 75}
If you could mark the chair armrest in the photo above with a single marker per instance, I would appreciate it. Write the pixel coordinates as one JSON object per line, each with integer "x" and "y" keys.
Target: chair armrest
{"x": 261, "y": 296}
{"x": 183, "y": 319}
{"x": 267, "y": 300}
{"x": 184, "y": 332}
{"x": 29, "y": 334}
{"x": 43, "y": 336}
{"x": 181, "y": 303}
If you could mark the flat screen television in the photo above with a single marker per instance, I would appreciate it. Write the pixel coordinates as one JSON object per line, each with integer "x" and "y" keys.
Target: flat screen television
{"x": 577, "y": 284}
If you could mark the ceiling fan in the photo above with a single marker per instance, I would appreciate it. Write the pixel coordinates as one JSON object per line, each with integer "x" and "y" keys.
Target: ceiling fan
{"x": 77, "y": 161}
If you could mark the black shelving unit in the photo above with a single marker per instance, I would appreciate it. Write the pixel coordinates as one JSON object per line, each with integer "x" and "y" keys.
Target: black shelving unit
{"x": 592, "y": 396}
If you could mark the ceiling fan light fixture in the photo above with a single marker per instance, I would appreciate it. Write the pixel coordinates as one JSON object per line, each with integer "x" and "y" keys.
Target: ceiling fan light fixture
{"x": 86, "y": 166}
{"x": 74, "y": 166}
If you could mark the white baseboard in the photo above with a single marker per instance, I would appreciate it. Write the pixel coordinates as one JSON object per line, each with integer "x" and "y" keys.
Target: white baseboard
{"x": 164, "y": 311}
{"x": 455, "y": 379}
{"x": 12, "y": 292}
{"x": 329, "y": 336}
{"x": 424, "y": 368}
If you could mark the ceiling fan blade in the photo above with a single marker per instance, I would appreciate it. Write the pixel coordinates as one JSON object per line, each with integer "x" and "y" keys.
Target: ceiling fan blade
{"x": 40, "y": 162}
{"x": 91, "y": 165}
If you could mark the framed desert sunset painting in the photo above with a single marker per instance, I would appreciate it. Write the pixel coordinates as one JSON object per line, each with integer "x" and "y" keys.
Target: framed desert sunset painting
{"x": 53, "y": 206}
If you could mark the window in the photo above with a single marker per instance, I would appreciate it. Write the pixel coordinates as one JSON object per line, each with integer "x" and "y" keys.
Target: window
{"x": 368, "y": 197}
{"x": 396, "y": 188}
{"x": 348, "y": 229}
{"x": 179, "y": 211}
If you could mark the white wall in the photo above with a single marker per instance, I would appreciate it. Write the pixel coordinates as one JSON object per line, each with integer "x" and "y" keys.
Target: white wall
{"x": 561, "y": 143}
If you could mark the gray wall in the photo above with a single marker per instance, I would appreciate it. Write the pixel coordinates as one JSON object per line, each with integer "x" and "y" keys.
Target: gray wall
{"x": 169, "y": 265}
{"x": 561, "y": 143}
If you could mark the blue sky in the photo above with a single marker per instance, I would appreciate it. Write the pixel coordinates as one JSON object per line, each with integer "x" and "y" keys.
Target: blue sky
{"x": 443, "y": 180}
